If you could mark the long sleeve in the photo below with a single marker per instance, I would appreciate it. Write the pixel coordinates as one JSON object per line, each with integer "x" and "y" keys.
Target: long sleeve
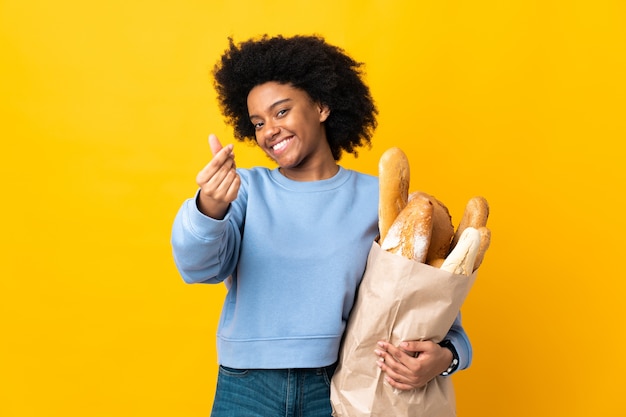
{"x": 296, "y": 252}
{"x": 204, "y": 249}
{"x": 461, "y": 343}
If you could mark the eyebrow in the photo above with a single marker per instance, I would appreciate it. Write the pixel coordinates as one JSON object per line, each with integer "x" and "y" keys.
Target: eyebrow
{"x": 273, "y": 106}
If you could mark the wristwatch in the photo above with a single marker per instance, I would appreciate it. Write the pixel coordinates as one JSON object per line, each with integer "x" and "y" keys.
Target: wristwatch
{"x": 455, "y": 357}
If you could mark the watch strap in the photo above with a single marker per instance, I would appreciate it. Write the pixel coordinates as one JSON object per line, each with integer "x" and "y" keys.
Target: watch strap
{"x": 455, "y": 357}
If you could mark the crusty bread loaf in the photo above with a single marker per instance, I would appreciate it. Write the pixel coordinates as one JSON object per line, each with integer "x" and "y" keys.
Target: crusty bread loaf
{"x": 485, "y": 241}
{"x": 442, "y": 233}
{"x": 411, "y": 232}
{"x": 475, "y": 215}
{"x": 393, "y": 178}
{"x": 462, "y": 259}
{"x": 419, "y": 226}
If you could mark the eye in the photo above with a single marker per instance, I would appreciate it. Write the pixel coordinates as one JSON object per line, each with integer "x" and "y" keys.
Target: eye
{"x": 257, "y": 125}
{"x": 282, "y": 112}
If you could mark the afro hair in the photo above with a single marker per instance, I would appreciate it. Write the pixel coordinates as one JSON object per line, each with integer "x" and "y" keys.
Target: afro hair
{"x": 323, "y": 71}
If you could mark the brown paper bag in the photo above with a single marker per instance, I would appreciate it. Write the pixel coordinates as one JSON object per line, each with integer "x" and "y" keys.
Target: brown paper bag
{"x": 398, "y": 300}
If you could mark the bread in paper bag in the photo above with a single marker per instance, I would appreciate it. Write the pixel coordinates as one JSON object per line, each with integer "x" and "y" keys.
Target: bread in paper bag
{"x": 398, "y": 299}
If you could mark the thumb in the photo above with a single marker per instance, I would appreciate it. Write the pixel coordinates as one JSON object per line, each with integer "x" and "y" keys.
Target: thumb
{"x": 214, "y": 144}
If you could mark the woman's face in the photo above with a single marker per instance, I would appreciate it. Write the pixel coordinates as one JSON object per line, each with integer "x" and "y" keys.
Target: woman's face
{"x": 289, "y": 127}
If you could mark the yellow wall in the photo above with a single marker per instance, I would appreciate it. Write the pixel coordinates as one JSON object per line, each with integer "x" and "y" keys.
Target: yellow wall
{"x": 105, "y": 110}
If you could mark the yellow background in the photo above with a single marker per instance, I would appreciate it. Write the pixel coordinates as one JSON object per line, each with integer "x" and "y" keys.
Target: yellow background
{"x": 105, "y": 110}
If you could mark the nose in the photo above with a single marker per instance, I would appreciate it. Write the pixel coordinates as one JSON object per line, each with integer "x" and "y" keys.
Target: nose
{"x": 270, "y": 129}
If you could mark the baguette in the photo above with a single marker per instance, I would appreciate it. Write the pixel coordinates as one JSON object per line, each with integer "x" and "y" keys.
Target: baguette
{"x": 463, "y": 257}
{"x": 410, "y": 234}
{"x": 475, "y": 215}
{"x": 442, "y": 233}
{"x": 485, "y": 241}
{"x": 393, "y": 177}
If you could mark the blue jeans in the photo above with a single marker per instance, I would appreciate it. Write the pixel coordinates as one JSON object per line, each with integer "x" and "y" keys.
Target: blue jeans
{"x": 273, "y": 392}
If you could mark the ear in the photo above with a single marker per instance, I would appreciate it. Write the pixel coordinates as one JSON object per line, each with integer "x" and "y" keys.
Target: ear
{"x": 324, "y": 112}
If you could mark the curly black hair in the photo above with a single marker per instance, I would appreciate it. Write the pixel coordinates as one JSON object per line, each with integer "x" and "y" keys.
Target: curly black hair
{"x": 325, "y": 72}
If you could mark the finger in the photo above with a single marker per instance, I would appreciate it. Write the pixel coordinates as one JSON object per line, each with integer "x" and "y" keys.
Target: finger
{"x": 387, "y": 352}
{"x": 233, "y": 190}
{"x": 399, "y": 376}
{"x": 413, "y": 347}
{"x": 390, "y": 363}
{"x": 223, "y": 160}
{"x": 214, "y": 144}
{"x": 397, "y": 353}
{"x": 215, "y": 170}
{"x": 217, "y": 186}
{"x": 391, "y": 369}
{"x": 399, "y": 385}
{"x": 226, "y": 189}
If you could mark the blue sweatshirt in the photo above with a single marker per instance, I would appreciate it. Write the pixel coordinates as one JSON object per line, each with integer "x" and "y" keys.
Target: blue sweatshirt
{"x": 295, "y": 252}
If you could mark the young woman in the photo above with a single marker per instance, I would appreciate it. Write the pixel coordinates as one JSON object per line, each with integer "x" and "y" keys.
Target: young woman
{"x": 291, "y": 242}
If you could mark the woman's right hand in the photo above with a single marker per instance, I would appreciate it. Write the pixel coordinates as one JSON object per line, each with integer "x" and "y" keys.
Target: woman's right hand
{"x": 219, "y": 182}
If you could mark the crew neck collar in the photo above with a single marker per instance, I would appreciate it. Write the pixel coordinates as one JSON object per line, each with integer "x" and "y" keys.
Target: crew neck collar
{"x": 307, "y": 186}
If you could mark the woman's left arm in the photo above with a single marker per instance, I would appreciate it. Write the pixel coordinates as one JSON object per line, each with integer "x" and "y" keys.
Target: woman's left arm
{"x": 413, "y": 364}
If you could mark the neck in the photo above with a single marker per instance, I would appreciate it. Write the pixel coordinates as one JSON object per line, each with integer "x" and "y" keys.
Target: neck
{"x": 311, "y": 174}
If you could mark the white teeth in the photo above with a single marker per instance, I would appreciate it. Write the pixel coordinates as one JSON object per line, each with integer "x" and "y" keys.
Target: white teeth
{"x": 280, "y": 145}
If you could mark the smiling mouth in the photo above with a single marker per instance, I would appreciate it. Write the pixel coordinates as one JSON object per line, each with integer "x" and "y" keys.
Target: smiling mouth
{"x": 281, "y": 145}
